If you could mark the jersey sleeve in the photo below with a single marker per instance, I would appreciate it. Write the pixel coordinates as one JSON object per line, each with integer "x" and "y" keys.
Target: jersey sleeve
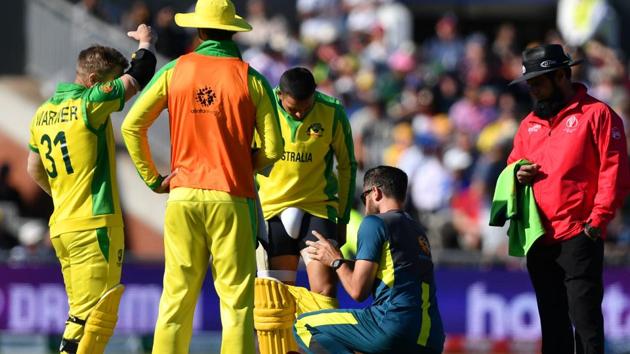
{"x": 371, "y": 237}
{"x": 102, "y": 99}
{"x": 145, "y": 110}
{"x": 267, "y": 124}
{"x": 32, "y": 141}
{"x": 346, "y": 163}
{"x": 614, "y": 174}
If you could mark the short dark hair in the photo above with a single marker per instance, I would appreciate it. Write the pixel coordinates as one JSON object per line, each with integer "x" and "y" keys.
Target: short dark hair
{"x": 100, "y": 60}
{"x": 298, "y": 83}
{"x": 215, "y": 34}
{"x": 391, "y": 181}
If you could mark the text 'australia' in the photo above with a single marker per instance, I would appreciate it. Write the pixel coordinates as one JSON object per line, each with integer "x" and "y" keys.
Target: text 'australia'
{"x": 297, "y": 156}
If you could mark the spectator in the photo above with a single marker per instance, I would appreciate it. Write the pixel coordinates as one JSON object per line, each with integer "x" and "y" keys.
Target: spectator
{"x": 138, "y": 14}
{"x": 474, "y": 111}
{"x": 94, "y": 8}
{"x": 8, "y": 193}
{"x": 172, "y": 40}
{"x": 265, "y": 27}
{"x": 444, "y": 51}
{"x": 371, "y": 130}
{"x": 431, "y": 187}
{"x": 397, "y": 23}
{"x": 11, "y": 204}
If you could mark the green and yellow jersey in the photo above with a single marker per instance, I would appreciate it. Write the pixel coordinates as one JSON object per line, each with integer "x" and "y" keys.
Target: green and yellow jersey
{"x": 304, "y": 176}
{"x": 73, "y": 135}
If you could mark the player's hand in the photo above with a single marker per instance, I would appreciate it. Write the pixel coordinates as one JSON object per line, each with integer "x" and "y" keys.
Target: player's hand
{"x": 322, "y": 250}
{"x": 165, "y": 186}
{"x": 526, "y": 173}
{"x": 144, "y": 34}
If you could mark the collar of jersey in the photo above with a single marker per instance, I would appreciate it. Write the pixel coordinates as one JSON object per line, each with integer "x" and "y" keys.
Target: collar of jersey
{"x": 227, "y": 48}
{"x": 67, "y": 90}
{"x": 293, "y": 123}
{"x": 65, "y": 87}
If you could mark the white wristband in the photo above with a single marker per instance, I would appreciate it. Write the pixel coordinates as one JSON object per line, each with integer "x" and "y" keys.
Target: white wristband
{"x": 144, "y": 45}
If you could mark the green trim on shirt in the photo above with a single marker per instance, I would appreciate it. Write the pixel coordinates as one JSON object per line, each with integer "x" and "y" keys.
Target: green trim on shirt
{"x": 331, "y": 181}
{"x": 67, "y": 90}
{"x": 103, "y": 241}
{"x": 102, "y": 194}
{"x": 86, "y": 120}
{"x": 226, "y": 48}
{"x": 341, "y": 118}
{"x": 253, "y": 218}
{"x": 153, "y": 185}
{"x": 157, "y": 75}
{"x": 293, "y": 123}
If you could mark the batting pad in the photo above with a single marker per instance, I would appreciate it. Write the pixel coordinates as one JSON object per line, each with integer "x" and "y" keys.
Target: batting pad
{"x": 274, "y": 313}
{"x": 101, "y": 322}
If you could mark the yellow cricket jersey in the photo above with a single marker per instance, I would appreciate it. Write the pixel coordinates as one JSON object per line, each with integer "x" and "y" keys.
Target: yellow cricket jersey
{"x": 161, "y": 93}
{"x": 73, "y": 135}
{"x": 304, "y": 176}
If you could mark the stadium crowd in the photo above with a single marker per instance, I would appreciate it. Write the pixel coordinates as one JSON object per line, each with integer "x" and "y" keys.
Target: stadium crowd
{"x": 439, "y": 108}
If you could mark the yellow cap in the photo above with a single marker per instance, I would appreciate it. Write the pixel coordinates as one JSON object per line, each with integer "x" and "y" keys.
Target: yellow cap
{"x": 217, "y": 14}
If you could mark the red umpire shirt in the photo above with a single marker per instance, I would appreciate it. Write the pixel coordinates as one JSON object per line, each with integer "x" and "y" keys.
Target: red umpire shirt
{"x": 584, "y": 174}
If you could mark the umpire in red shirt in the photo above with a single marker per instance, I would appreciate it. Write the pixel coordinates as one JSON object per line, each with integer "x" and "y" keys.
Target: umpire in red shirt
{"x": 580, "y": 176}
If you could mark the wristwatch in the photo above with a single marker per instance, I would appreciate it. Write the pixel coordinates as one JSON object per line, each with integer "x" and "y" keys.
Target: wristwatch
{"x": 337, "y": 263}
{"x": 592, "y": 231}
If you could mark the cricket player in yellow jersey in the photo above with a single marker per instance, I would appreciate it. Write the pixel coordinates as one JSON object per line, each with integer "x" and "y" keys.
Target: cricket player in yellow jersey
{"x": 301, "y": 194}
{"x": 215, "y": 103}
{"x": 72, "y": 158}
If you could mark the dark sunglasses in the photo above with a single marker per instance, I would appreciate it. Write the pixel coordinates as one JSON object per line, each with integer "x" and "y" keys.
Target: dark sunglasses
{"x": 366, "y": 192}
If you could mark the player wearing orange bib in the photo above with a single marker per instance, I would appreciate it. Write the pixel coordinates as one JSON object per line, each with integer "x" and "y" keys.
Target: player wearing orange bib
{"x": 215, "y": 103}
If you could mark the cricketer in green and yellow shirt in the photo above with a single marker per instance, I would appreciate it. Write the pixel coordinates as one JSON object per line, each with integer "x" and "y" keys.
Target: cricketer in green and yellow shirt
{"x": 304, "y": 177}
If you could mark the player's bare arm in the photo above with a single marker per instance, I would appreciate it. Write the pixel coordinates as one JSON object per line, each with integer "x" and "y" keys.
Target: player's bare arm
{"x": 356, "y": 277}
{"x": 36, "y": 170}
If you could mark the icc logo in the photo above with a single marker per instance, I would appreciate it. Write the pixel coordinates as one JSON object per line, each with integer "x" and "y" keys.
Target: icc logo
{"x": 572, "y": 122}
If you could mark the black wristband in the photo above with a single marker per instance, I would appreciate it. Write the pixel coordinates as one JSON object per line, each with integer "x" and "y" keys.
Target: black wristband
{"x": 142, "y": 67}
{"x": 337, "y": 263}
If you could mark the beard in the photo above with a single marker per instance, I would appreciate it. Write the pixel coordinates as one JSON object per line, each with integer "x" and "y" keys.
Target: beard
{"x": 549, "y": 107}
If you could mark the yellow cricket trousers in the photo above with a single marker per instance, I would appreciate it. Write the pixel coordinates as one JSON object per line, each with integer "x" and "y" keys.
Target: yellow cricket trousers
{"x": 91, "y": 262}
{"x": 199, "y": 224}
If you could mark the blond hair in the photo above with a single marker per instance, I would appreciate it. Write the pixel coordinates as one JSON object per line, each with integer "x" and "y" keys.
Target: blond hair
{"x": 100, "y": 60}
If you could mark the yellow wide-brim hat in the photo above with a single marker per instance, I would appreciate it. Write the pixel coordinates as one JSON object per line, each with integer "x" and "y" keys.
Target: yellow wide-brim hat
{"x": 217, "y": 14}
